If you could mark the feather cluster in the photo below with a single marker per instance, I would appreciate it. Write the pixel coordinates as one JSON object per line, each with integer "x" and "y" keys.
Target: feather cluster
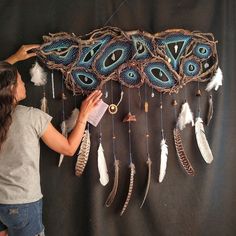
{"x": 102, "y": 166}
{"x": 185, "y": 116}
{"x": 38, "y": 75}
{"x": 67, "y": 126}
{"x": 202, "y": 141}
{"x": 216, "y": 81}
{"x": 71, "y": 121}
{"x": 164, "y": 156}
{"x": 83, "y": 154}
{"x": 113, "y": 192}
{"x": 131, "y": 184}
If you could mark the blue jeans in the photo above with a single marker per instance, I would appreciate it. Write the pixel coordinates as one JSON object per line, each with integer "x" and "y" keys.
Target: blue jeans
{"x": 22, "y": 219}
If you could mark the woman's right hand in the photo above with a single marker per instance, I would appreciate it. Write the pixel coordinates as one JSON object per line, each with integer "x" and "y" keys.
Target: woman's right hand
{"x": 88, "y": 104}
{"x": 23, "y": 53}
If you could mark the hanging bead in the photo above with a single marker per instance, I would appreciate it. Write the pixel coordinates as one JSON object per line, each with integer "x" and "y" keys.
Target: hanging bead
{"x": 174, "y": 103}
{"x": 146, "y": 106}
{"x": 198, "y": 94}
{"x": 63, "y": 96}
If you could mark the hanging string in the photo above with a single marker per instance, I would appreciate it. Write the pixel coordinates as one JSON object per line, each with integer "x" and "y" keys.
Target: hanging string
{"x": 118, "y": 8}
{"x": 146, "y": 120}
{"x": 113, "y": 127}
{"x": 199, "y": 99}
{"x": 63, "y": 99}
{"x": 121, "y": 95}
{"x": 174, "y": 104}
{"x": 161, "y": 113}
{"x": 130, "y": 153}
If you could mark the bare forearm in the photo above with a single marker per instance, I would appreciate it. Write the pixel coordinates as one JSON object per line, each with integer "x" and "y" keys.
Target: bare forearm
{"x": 12, "y": 59}
{"x": 77, "y": 134}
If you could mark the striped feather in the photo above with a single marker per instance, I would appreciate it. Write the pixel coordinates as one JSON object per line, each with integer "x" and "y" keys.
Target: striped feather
{"x": 113, "y": 192}
{"x": 131, "y": 184}
{"x": 181, "y": 153}
{"x": 83, "y": 154}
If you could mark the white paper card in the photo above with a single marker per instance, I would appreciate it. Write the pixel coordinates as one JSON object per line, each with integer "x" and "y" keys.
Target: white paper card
{"x": 97, "y": 113}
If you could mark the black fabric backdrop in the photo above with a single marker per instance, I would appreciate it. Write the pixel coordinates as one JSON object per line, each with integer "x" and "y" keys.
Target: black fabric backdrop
{"x": 181, "y": 205}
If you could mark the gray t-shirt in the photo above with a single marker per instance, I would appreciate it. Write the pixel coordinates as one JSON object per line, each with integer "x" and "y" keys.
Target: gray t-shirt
{"x": 19, "y": 156}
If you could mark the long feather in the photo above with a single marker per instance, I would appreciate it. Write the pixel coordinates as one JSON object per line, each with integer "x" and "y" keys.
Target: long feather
{"x": 38, "y": 75}
{"x": 149, "y": 164}
{"x": 131, "y": 184}
{"x": 83, "y": 154}
{"x": 185, "y": 116}
{"x": 202, "y": 141}
{"x": 102, "y": 166}
{"x": 181, "y": 153}
{"x": 210, "y": 110}
{"x": 216, "y": 81}
{"x": 113, "y": 192}
{"x": 164, "y": 156}
{"x": 64, "y": 132}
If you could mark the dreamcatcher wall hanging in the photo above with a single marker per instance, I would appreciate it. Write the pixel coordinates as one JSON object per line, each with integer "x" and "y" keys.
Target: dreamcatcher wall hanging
{"x": 165, "y": 62}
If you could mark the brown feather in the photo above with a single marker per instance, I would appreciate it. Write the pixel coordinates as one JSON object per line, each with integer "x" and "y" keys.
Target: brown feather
{"x": 181, "y": 153}
{"x": 83, "y": 154}
{"x": 115, "y": 185}
{"x": 131, "y": 184}
{"x": 149, "y": 164}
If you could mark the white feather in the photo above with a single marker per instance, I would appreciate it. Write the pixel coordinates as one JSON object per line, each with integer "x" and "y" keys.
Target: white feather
{"x": 38, "y": 75}
{"x": 202, "y": 141}
{"x": 216, "y": 81}
{"x": 102, "y": 166}
{"x": 64, "y": 132}
{"x": 44, "y": 104}
{"x": 71, "y": 121}
{"x": 185, "y": 117}
{"x": 164, "y": 156}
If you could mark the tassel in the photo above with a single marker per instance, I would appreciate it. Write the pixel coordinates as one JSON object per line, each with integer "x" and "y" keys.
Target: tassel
{"x": 216, "y": 81}
{"x": 71, "y": 121}
{"x": 185, "y": 116}
{"x": 131, "y": 184}
{"x": 181, "y": 153}
{"x": 210, "y": 110}
{"x": 113, "y": 192}
{"x": 164, "y": 156}
{"x": 44, "y": 104}
{"x": 149, "y": 163}
{"x": 83, "y": 154}
{"x": 38, "y": 75}
{"x": 64, "y": 132}
{"x": 102, "y": 166}
{"x": 202, "y": 141}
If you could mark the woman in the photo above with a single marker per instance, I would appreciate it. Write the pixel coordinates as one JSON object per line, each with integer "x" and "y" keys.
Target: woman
{"x": 20, "y": 130}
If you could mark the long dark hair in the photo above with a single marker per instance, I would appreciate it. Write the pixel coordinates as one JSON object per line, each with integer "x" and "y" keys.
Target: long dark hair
{"x": 8, "y": 80}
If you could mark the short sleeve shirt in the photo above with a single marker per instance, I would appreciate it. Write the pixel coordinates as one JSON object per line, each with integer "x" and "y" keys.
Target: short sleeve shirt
{"x": 19, "y": 156}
